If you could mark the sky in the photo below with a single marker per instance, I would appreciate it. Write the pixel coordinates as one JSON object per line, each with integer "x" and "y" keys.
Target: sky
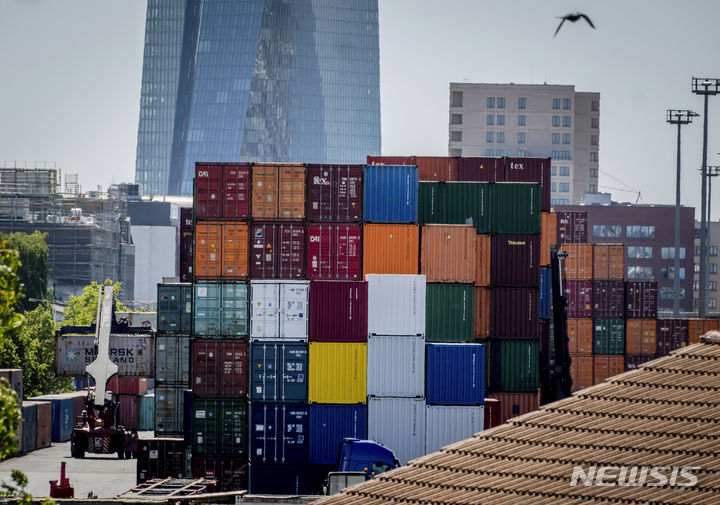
{"x": 71, "y": 71}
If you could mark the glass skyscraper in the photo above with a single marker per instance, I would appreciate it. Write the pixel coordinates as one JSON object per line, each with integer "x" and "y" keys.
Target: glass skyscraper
{"x": 256, "y": 80}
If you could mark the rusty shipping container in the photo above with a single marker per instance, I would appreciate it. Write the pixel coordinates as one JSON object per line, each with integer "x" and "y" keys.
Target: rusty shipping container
{"x": 482, "y": 313}
{"x": 448, "y": 253}
{"x": 338, "y": 311}
{"x": 578, "y": 266}
{"x": 641, "y": 299}
{"x": 548, "y": 236}
{"x": 515, "y": 404}
{"x": 334, "y": 251}
{"x": 133, "y": 354}
{"x": 607, "y": 365}
{"x": 572, "y": 227}
{"x": 437, "y": 168}
{"x": 481, "y": 169}
{"x": 698, "y": 327}
{"x": 608, "y": 298}
{"x": 220, "y": 368}
{"x": 515, "y": 260}
{"x": 530, "y": 170}
{"x": 222, "y": 191}
{"x": 514, "y": 313}
{"x": 483, "y": 262}
{"x": 221, "y": 250}
{"x": 391, "y": 249}
{"x": 278, "y": 191}
{"x": 44, "y": 424}
{"x": 334, "y": 193}
{"x": 581, "y": 371}
{"x": 609, "y": 261}
{"x": 640, "y": 336}
{"x": 579, "y": 298}
{"x": 672, "y": 334}
{"x": 277, "y": 250}
{"x": 580, "y": 336}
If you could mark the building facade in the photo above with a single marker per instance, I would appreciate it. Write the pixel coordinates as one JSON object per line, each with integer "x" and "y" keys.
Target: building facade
{"x": 258, "y": 81}
{"x": 531, "y": 120}
{"x": 713, "y": 276}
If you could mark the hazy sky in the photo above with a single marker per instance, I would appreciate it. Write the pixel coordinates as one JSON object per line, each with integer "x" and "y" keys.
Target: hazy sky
{"x": 71, "y": 71}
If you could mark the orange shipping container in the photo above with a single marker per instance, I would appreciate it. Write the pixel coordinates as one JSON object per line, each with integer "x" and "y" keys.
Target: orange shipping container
{"x": 482, "y": 265}
{"x": 607, "y": 365}
{"x": 221, "y": 250}
{"x": 608, "y": 261}
{"x": 548, "y": 236}
{"x": 482, "y": 313}
{"x": 447, "y": 253}
{"x": 391, "y": 248}
{"x": 579, "y": 262}
{"x": 581, "y": 370}
{"x": 580, "y": 335}
{"x": 698, "y": 327}
{"x": 278, "y": 191}
{"x": 437, "y": 168}
{"x": 516, "y": 404}
{"x": 640, "y": 336}
{"x": 207, "y": 250}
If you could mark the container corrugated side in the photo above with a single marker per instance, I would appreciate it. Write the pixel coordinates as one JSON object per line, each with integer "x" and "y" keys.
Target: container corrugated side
{"x": 608, "y": 298}
{"x": 605, "y": 366}
{"x": 545, "y": 294}
{"x": 482, "y": 313}
{"x": 208, "y": 194}
{"x": 396, "y": 304}
{"x": 279, "y": 310}
{"x": 329, "y": 425}
{"x": 29, "y": 426}
{"x": 579, "y": 298}
{"x": 334, "y": 193}
{"x": 334, "y": 251}
{"x": 698, "y": 327}
{"x": 572, "y": 227}
{"x": 437, "y": 168}
{"x": 486, "y": 169}
{"x": 133, "y": 354}
{"x": 579, "y": 262}
{"x": 447, "y": 424}
{"x": 221, "y": 250}
{"x": 390, "y": 194}
{"x": 399, "y": 425}
{"x": 338, "y": 311}
{"x": 515, "y": 260}
{"x": 44, "y": 423}
{"x": 514, "y": 312}
{"x": 128, "y": 413}
{"x": 672, "y": 334}
{"x": 467, "y": 203}
{"x": 160, "y": 458}
{"x": 147, "y": 412}
{"x": 608, "y": 335}
{"x": 278, "y": 371}
{"x": 640, "y": 336}
{"x": 337, "y": 372}
{"x": 633, "y": 362}
{"x": 430, "y": 209}
{"x": 581, "y": 371}
{"x": 278, "y": 433}
{"x": 169, "y": 410}
{"x": 455, "y": 374}
{"x": 391, "y": 249}
{"x": 222, "y": 190}
{"x": 396, "y": 366}
{"x": 609, "y": 261}
{"x": 580, "y": 335}
{"x": 230, "y": 473}
{"x": 277, "y": 250}
{"x": 530, "y": 170}
{"x": 483, "y": 263}
{"x": 514, "y": 365}
{"x": 278, "y": 191}
{"x": 450, "y": 313}
{"x": 641, "y": 299}
{"x": 548, "y": 236}
{"x": 515, "y": 208}
{"x": 219, "y": 427}
{"x": 221, "y": 309}
{"x": 172, "y": 359}
{"x": 448, "y": 253}
{"x": 63, "y": 418}
{"x": 220, "y": 367}
{"x": 516, "y": 404}
{"x": 174, "y": 308}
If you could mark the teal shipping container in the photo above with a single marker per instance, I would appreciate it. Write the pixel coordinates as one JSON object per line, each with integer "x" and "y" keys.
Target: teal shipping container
{"x": 455, "y": 203}
{"x": 515, "y": 208}
{"x": 174, "y": 308}
{"x": 608, "y": 335}
{"x": 450, "y": 313}
{"x": 172, "y": 359}
{"x": 219, "y": 427}
{"x": 221, "y": 309}
{"x": 147, "y": 412}
{"x": 169, "y": 410}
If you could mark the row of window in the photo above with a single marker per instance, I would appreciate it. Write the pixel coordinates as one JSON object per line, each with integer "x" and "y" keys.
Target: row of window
{"x": 712, "y": 303}
{"x": 645, "y": 273}
{"x": 556, "y": 138}
{"x": 713, "y": 268}
{"x": 712, "y": 250}
{"x": 560, "y": 155}
{"x": 566, "y": 103}
{"x": 566, "y": 121}
{"x": 456, "y": 100}
{"x": 563, "y": 170}
{"x": 564, "y": 187}
{"x": 712, "y": 285}
{"x": 615, "y": 231}
{"x": 559, "y": 201}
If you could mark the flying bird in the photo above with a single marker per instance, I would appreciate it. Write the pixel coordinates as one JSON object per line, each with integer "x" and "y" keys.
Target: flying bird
{"x": 573, "y": 16}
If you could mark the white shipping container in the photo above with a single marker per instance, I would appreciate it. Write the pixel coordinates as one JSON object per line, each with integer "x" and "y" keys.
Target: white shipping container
{"x": 396, "y": 366}
{"x": 279, "y": 310}
{"x": 447, "y": 424}
{"x": 399, "y": 425}
{"x": 396, "y": 304}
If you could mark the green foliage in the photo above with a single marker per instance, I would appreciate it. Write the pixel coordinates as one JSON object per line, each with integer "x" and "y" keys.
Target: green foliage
{"x": 9, "y": 417}
{"x": 82, "y": 310}
{"x": 10, "y": 322}
{"x": 18, "y": 490}
{"x": 34, "y": 268}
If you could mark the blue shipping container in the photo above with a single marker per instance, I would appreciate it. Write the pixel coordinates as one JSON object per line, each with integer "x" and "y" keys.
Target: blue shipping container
{"x": 278, "y": 479}
{"x": 279, "y": 433}
{"x": 278, "y": 371}
{"x": 391, "y": 194}
{"x": 545, "y": 296}
{"x": 455, "y": 374}
{"x": 62, "y": 416}
{"x": 330, "y": 424}
{"x": 221, "y": 309}
{"x": 147, "y": 412}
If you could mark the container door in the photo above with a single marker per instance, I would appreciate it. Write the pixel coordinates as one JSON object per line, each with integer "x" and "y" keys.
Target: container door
{"x": 265, "y": 310}
{"x": 293, "y": 311}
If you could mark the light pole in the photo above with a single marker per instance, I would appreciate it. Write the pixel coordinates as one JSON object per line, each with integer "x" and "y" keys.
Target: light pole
{"x": 678, "y": 117}
{"x": 706, "y": 87}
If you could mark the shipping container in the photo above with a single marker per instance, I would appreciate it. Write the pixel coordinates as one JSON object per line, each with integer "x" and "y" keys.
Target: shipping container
{"x": 329, "y": 425}
{"x": 579, "y": 298}
{"x": 671, "y": 334}
{"x": 338, "y": 372}
{"x": 220, "y": 368}
{"x": 641, "y": 299}
{"x": 334, "y": 193}
{"x": 133, "y": 354}
{"x": 483, "y": 264}
{"x": 222, "y": 190}
{"x": 580, "y": 335}
{"x": 581, "y": 371}
{"x": 279, "y": 310}
{"x": 640, "y": 336}
{"x": 391, "y": 249}
{"x": 278, "y": 371}
{"x": 169, "y": 410}
{"x": 546, "y": 346}
{"x": 608, "y": 298}
{"x": 390, "y": 194}
{"x": 338, "y": 311}
{"x": 698, "y": 327}
{"x": 277, "y": 250}
{"x": 160, "y": 458}
{"x": 578, "y": 264}
{"x": 396, "y": 366}
{"x": 572, "y": 227}
{"x": 44, "y": 423}
{"x": 545, "y": 293}
{"x": 174, "y": 308}
{"x": 516, "y": 404}
{"x": 607, "y": 365}
{"x": 62, "y": 416}
{"x": 548, "y": 236}
{"x": 230, "y": 473}
{"x": 399, "y": 425}
{"x": 448, "y": 253}
{"x": 481, "y": 169}
{"x": 220, "y": 427}
{"x": 334, "y": 251}
{"x": 278, "y": 191}
{"x": 466, "y": 203}
{"x": 221, "y": 309}
{"x": 608, "y": 335}
{"x": 279, "y": 479}
{"x": 530, "y": 170}
{"x": 515, "y": 260}
{"x": 128, "y": 385}
{"x": 437, "y": 168}
{"x": 491, "y": 415}
{"x": 221, "y": 250}
{"x": 450, "y": 313}
{"x": 186, "y": 244}
{"x": 14, "y": 376}
{"x": 515, "y": 208}
{"x": 390, "y": 160}
{"x": 609, "y": 261}
{"x": 514, "y": 312}
{"x": 172, "y": 359}
{"x": 279, "y": 433}
{"x": 483, "y": 313}
{"x": 513, "y": 366}
{"x": 147, "y": 412}
{"x": 447, "y": 425}
{"x": 29, "y": 426}
{"x": 634, "y": 362}
{"x": 128, "y": 413}
{"x": 430, "y": 208}
{"x": 186, "y": 422}
{"x": 396, "y": 304}
{"x": 455, "y": 374}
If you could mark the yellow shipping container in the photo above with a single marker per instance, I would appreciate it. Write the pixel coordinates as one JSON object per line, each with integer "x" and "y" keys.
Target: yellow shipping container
{"x": 338, "y": 372}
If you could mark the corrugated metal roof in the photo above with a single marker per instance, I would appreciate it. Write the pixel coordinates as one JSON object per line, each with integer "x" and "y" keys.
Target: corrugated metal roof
{"x": 666, "y": 413}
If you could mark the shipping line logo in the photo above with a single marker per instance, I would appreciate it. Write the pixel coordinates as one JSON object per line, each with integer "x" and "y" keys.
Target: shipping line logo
{"x": 648, "y": 476}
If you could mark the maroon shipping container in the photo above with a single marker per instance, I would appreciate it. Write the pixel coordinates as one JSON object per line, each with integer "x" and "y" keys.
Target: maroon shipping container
{"x": 44, "y": 424}
{"x": 437, "y": 168}
{"x": 338, "y": 311}
{"x": 514, "y": 313}
{"x": 608, "y": 299}
{"x": 515, "y": 260}
{"x": 544, "y": 339}
{"x": 572, "y": 227}
{"x": 492, "y": 413}
{"x": 128, "y": 385}
{"x": 208, "y": 190}
{"x": 671, "y": 334}
{"x": 231, "y": 473}
{"x": 579, "y": 298}
{"x": 219, "y": 368}
{"x": 391, "y": 160}
{"x": 633, "y": 361}
{"x": 222, "y": 190}
{"x": 277, "y": 250}
{"x": 236, "y": 191}
{"x": 334, "y": 251}
{"x": 186, "y": 241}
{"x": 641, "y": 299}
{"x": 129, "y": 411}
{"x": 334, "y": 193}
{"x": 530, "y": 170}
{"x": 481, "y": 169}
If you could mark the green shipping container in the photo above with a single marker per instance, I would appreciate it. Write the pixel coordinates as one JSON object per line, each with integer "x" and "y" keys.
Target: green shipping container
{"x": 513, "y": 366}
{"x": 221, "y": 309}
{"x": 174, "y": 308}
{"x": 455, "y": 203}
{"x": 450, "y": 313}
{"x": 219, "y": 427}
{"x": 147, "y": 412}
{"x": 515, "y": 208}
{"x": 429, "y": 210}
{"x": 608, "y": 335}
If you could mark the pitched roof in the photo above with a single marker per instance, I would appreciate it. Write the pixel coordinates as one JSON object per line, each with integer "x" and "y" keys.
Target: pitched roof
{"x": 666, "y": 413}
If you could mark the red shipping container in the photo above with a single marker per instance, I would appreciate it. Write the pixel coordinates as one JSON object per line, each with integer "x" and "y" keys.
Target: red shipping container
{"x": 277, "y": 250}
{"x": 219, "y": 367}
{"x": 633, "y": 362}
{"x": 128, "y": 385}
{"x": 338, "y": 311}
{"x": 581, "y": 371}
{"x": 334, "y": 193}
{"x": 208, "y": 190}
{"x": 699, "y": 327}
{"x": 515, "y": 404}
{"x": 222, "y": 190}
{"x": 236, "y": 191}
{"x": 580, "y": 336}
{"x": 545, "y": 340}
{"x": 531, "y": 170}
{"x": 492, "y": 413}
{"x": 129, "y": 411}
{"x": 44, "y": 424}
{"x": 579, "y": 298}
{"x": 515, "y": 260}
{"x": 481, "y": 169}
{"x": 641, "y": 299}
{"x": 514, "y": 312}
{"x": 571, "y": 227}
{"x": 391, "y": 160}
{"x": 437, "y": 168}
{"x": 186, "y": 243}
{"x": 608, "y": 299}
{"x": 334, "y": 251}
{"x": 671, "y": 334}
{"x": 231, "y": 473}
{"x": 607, "y": 365}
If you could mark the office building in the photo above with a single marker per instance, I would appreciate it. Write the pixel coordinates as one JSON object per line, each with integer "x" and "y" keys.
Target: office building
{"x": 713, "y": 276}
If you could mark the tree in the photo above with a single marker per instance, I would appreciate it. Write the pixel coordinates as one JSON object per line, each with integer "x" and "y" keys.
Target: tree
{"x": 10, "y": 416}
{"x": 34, "y": 267}
{"x": 82, "y": 310}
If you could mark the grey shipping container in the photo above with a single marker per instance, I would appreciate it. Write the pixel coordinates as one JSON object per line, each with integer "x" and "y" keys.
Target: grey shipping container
{"x": 133, "y": 354}
{"x": 399, "y": 425}
{"x": 396, "y": 366}
{"x": 396, "y": 304}
{"x": 29, "y": 426}
{"x": 169, "y": 410}
{"x": 279, "y": 310}
{"x": 279, "y": 371}
{"x": 174, "y": 308}
{"x": 448, "y": 424}
{"x": 15, "y": 377}
{"x": 172, "y": 359}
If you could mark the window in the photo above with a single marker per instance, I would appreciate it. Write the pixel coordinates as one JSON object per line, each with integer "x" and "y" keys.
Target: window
{"x": 713, "y": 250}
{"x": 564, "y": 170}
{"x": 499, "y": 152}
{"x": 455, "y": 152}
{"x": 640, "y": 231}
{"x": 566, "y": 120}
{"x": 712, "y": 303}
{"x": 555, "y": 138}
{"x": 668, "y": 273}
{"x": 564, "y": 187}
{"x": 593, "y": 157}
{"x": 713, "y": 268}
{"x": 640, "y": 273}
{"x": 695, "y": 303}
{"x": 595, "y": 105}
{"x": 567, "y": 103}
{"x": 553, "y": 187}
{"x": 594, "y": 140}
{"x": 713, "y": 286}
{"x": 697, "y": 233}
{"x": 500, "y": 137}
{"x": 696, "y": 285}
{"x": 593, "y": 172}
{"x": 553, "y": 170}
{"x": 556, "y": 121}
{"x": 566, "y": 138}
{"x": 592, "y": 188}
{"x": 521, "y": 137}
{"x": 639, "y": 252}
{"x": 456, "y": 99}
{"x": 605, "y": 230}
{"x": 521, "y": 120}
{"x": 669, "y": 253}
{"x": 565, "y": 155}
{"x": 555, "y": 155}
{"x": 522, "y": 152}
{"x": 455, "y": 118}
{"x": 594, "y": 122}
{"x": 455, "y": 136}
{"x": 667, "y": 293}
{"x": 501, "y": 119}
{"x": 696, "y": 268}
{"x": 522, "y": 102}
{"x": 491, "y": 102}
{"x": 501, "y": 102}
{"x": 697, "y": 250}
{"x": 489, "y": 137}
{"x": 490, "y": 119}
{"x": 489, "y": 152}
{"x": 556, "y": 103}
